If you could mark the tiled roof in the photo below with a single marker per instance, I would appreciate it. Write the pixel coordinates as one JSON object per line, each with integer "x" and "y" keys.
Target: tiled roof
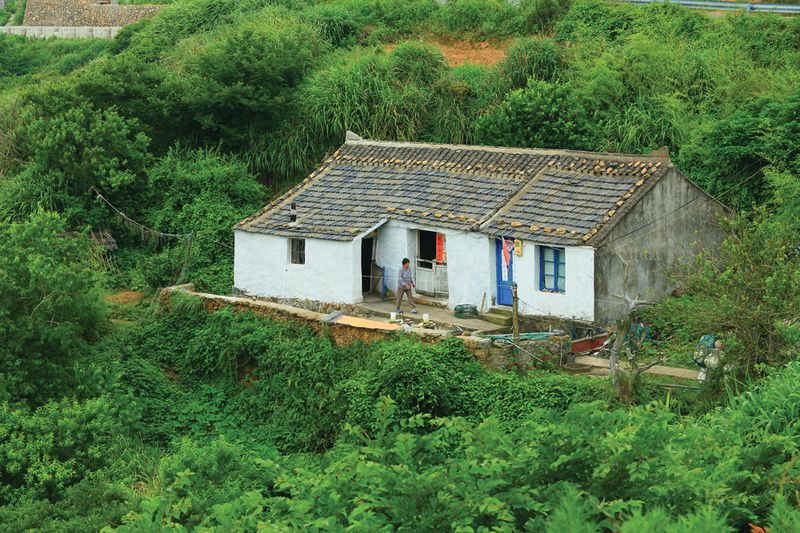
{"x": 552, "y": 196}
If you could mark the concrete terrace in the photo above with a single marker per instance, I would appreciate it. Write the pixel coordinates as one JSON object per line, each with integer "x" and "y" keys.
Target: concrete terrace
{"x": 444, "y": 318}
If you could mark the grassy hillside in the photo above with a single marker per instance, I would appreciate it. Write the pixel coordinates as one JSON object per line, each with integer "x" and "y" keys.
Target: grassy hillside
{"x": 143, "y": 417}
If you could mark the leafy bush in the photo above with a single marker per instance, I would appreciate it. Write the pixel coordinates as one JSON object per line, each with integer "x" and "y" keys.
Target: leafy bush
{"x": 543, "y": 115}
{"x": 205, "y": 193}
{"x": 481, "y": 19}
{"x": 68, "y": 154}
{"x": 755, "y": 304}
{"x": 615, "y": 469}
{"x": 530, "y": 58}
{"x": 213, "y": 474}
{"x": 86, "y": 507}
{"x": 339, "y": 24}
{"x": 20, "y": 56}
{"x": 542, "y": 15}
{"x": 44, "y": 452}
{"x": 50, "y": 308}
{"x": 595, "y": 19}
{"x": 231, "y": 95}
{"x": 418, "y": 63}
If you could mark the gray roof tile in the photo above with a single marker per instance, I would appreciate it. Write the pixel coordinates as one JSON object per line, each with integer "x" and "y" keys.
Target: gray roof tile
{"x": 551, "y": 196}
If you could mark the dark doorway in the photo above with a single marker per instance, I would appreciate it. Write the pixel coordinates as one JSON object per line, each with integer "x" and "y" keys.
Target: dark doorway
{"x": 427, "y": 248}
{"x": 366, "y": 264}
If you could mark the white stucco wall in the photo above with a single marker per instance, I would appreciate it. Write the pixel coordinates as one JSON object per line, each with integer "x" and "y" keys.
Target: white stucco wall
{"x": 331, "y": 273}
{"x": 469, "y": 259}
{"x": 577, "y": 300}
{"x": 470, "y": 269}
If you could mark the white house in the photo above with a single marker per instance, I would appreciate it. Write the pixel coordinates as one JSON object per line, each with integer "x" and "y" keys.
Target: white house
{"x": 580, "y": 227}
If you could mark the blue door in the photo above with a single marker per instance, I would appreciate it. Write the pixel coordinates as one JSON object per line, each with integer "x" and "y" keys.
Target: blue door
{"x": 504, "y": 285}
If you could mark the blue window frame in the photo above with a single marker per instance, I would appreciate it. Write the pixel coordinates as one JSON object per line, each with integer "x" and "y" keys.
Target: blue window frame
{"x": 552, "y": 269}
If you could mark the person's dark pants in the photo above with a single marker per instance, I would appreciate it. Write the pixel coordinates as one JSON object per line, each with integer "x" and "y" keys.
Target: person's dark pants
{"x": 400, "y": 292}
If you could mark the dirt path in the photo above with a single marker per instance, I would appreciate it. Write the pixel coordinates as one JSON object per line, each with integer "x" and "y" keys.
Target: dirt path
{"x": 124, "y": 296}
{"x": 461, "y": 52}
{"x": 658, "y": 370}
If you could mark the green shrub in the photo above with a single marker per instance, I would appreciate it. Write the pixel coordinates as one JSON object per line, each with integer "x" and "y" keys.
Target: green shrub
{"x": 215, "y": 473}
{"x": 73, "y": 151}
{"x": 19, "y": 14}
{"x": 50, "y": 308}
{"x": 151, "y": 399}
{"x": 184, "y": 18}
{"x": 595, "y": 19}
{"x": 43, "y": 452}
{"x": 542, "y": 15}
{"x": 206, "y": 193}
{"x": 543, "y": 115}
{"x": 229, "y": 94}
{"x": 387, "y": 20}
{"x": 529, "y": 57}
{"x": 86, "y": 507}
{"x": 418, "y": 63}
{"x": 481, "y": 19}
{"x": 512, "y": 399}
{"x": 339, "y": 24}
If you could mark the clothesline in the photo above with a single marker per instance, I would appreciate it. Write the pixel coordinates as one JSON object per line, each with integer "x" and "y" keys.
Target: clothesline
{"x": 142, "y": 229}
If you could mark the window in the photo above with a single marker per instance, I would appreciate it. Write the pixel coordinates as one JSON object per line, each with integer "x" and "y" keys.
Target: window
{"x": 298, "y": 251}
{"x": 552, "y": 269}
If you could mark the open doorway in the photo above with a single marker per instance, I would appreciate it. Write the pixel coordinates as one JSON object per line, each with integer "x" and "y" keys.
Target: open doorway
{"x": 367, "y": 253}
{"x": 431, "y": 267}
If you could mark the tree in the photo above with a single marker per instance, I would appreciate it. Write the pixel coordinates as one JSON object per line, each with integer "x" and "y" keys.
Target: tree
{"x": 50, "y": 308}
{"x": 244, "y": 80}
{"x": 624, "y": 378}
{"x": 68, "y": 154}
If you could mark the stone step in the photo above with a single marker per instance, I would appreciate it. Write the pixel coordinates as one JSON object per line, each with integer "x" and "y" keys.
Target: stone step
{"x": 501, "y": 311}
{"x": 494, "y": 318}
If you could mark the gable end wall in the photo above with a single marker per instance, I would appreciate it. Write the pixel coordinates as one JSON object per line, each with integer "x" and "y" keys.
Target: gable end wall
{"x": 640, "y": 263}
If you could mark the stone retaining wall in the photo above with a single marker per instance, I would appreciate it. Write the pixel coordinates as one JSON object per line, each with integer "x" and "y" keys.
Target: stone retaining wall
{"x": 83, "y": 13}
{"x": 65, "y": 32}
{"x": 490, "y": 354}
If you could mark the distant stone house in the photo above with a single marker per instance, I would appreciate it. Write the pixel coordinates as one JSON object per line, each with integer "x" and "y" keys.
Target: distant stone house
{"x": 574, "y": 230}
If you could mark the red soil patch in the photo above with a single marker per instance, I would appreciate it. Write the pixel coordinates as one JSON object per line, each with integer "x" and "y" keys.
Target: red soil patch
{"x": 460, "y": 52}
{"x": 124, "y": 297}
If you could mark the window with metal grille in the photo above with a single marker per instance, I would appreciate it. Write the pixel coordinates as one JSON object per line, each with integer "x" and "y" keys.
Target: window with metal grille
{"x": 298, "y": 251}
{"x": 552, "y": 269}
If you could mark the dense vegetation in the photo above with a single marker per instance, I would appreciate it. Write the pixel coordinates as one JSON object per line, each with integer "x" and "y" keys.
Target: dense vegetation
{"x": 155, "y": 415}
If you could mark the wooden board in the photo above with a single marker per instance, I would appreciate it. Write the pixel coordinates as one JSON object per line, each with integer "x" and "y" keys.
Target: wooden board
{"x": 366, "y": 323}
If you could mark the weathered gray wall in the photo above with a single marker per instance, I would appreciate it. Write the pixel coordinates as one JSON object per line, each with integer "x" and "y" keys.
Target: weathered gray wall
{"x": 640, "y": 263}
{"x": 84, "y": 13}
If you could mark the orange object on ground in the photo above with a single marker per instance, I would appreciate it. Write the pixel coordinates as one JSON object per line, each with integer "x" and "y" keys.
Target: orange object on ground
{"x": 366, "y": 323}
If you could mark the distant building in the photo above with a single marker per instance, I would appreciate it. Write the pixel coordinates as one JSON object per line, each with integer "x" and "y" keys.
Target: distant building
{"x": 572, "y": 229}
